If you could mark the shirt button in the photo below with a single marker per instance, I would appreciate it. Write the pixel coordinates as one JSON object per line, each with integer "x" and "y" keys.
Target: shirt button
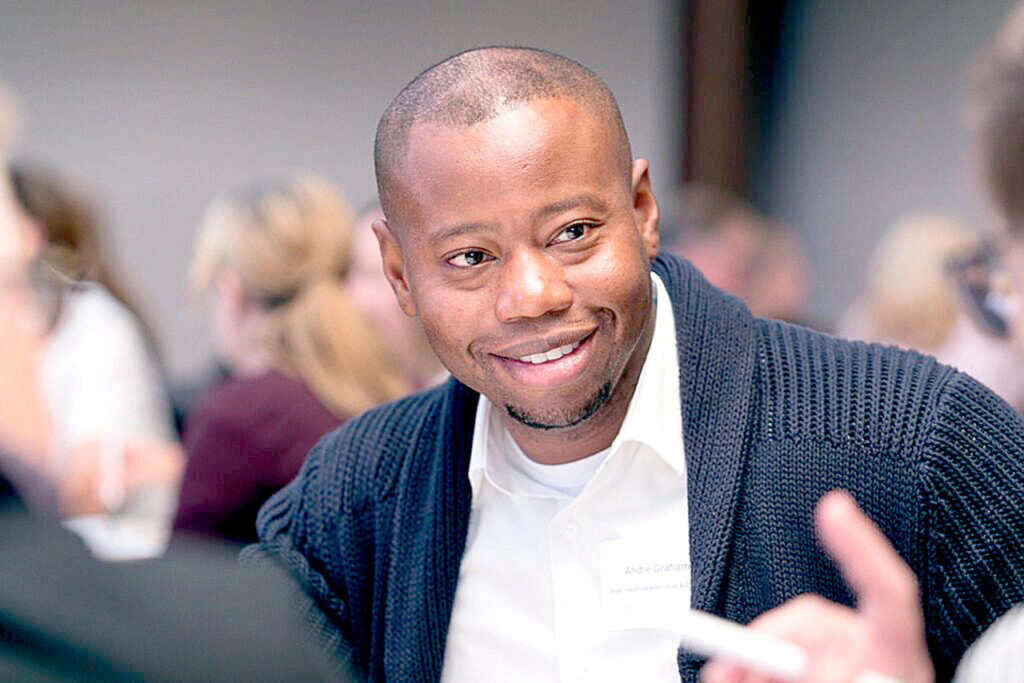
{"x": 572, "y": 531}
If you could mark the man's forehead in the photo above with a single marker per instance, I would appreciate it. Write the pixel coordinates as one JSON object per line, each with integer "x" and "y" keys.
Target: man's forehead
{"x": 513, "y": 130}
{"x": 537, "y": 153}
{"x": 551, "y": 132}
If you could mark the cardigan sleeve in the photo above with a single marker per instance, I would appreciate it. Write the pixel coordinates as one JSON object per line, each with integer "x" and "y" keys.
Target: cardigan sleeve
{"x": 289, "y": 527}
{"x": 972, "y": 475}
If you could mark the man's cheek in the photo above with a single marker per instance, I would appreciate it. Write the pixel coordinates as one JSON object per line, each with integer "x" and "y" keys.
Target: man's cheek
{"x": 441, "y": 341}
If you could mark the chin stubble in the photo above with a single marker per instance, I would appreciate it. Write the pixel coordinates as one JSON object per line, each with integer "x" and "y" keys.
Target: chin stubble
{"x": 586, "y": 412}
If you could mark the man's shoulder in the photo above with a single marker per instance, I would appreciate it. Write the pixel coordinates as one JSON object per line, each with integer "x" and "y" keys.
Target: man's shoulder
{"x": 392, "y": 425}
{"x": 809, "y": 350}
{"x": 839, "y": 389}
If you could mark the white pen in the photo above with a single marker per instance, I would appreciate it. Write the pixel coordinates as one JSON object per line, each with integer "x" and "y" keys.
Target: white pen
{"x": 711, "y": 636}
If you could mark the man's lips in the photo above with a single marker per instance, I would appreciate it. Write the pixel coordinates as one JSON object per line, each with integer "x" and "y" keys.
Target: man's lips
{"x": 548, "y": 364}
{"x": 551, "y": 347}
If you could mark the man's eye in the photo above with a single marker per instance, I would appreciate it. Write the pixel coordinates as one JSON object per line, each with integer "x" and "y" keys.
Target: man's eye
{"x": 573, "y": 232}
{"x": 467, "y": 259}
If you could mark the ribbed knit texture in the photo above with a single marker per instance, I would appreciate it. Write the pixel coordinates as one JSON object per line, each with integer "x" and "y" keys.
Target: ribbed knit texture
{"x": 773, "y": 416}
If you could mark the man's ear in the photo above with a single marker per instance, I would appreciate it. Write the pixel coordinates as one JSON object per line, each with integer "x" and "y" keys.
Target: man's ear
{"x": 394, "y": 265}
{"x": 645, "y": 208}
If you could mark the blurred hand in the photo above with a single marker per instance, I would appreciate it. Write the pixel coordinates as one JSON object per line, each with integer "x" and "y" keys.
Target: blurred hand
{"x": 148, "y": 462}
{"x": 90, "y": 468}
{"x": 884, "y": 635}
{"x": 78, "y": 482}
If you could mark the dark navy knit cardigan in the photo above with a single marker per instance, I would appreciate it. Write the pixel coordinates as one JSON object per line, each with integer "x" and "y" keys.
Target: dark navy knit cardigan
{"x": 373, "y": 529}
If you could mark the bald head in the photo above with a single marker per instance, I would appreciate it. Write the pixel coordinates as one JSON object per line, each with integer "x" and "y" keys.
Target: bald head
{"x": 478, "y": 85}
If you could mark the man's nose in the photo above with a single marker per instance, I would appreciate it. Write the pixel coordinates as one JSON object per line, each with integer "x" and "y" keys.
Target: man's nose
{"x": 532, "y": 284}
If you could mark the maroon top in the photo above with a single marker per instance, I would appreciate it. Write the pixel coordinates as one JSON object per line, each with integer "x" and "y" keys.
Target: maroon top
{"x": 244, "y": 440}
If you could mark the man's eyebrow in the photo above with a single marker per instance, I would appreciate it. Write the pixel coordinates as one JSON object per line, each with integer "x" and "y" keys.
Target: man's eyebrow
{"x": 459, "y": 230}
{"x": 587, "y": 200}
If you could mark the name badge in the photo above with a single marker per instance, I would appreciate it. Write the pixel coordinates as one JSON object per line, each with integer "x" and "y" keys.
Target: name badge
{"x": 645, "y": 583}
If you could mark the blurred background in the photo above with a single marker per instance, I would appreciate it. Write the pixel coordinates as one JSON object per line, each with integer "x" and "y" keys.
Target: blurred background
{"x": 156, "y": 106}
{"x": 835, "y": 117}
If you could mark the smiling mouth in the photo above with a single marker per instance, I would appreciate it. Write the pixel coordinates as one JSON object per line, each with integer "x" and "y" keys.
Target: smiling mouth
{"x": 550, "y": 367}
{"x": 543, "y": 352}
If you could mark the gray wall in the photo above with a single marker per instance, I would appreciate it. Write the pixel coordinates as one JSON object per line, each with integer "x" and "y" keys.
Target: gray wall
{"x": 870, "y": 124}
{"x": 157, "y": 106}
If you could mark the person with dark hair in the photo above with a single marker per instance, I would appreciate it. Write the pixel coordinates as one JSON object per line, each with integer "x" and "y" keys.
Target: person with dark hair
{"x": 74, "y": 244}
{"x": 109, "y": 447}
{"x": 738, "y": 249}
{"x": 65, "y": 616}
{"x": 620, "y": 442}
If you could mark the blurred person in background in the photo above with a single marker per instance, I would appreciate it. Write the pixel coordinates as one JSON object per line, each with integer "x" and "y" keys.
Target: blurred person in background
{"x": 302, "y": 357}
{"x": 885, "y": 633}
{"x": 24, "y": 421}
{"x": 75, "y": 245}
{"x": 914, "y": 298}
{"x": 105, "y": 439}
{"x": 400, "y": 333}
{"x": 738, "y": 250}
{"x": 195, "y": 615}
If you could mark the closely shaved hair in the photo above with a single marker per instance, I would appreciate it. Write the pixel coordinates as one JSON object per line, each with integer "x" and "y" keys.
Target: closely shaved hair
{"x": 480, "y": 84}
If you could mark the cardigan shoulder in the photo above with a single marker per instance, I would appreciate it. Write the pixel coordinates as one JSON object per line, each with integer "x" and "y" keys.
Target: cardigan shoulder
{"x": 953, "y": 481}
{"x": 973, "y": 479}
{"x": 364, "y": 458}
{"x": 815, "y": 386}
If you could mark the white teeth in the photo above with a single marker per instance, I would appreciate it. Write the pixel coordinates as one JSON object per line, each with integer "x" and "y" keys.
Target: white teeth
{"x": 553, "y": 354}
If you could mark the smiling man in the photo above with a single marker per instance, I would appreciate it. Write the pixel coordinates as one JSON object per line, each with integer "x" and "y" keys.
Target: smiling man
{"x": 530, "y": 275}
{"x": 620, "y": 442}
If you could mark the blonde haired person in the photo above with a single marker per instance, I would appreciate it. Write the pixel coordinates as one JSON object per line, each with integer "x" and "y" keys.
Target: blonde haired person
{"x": 301, "y": 356}
{"x": 911, "y": 299}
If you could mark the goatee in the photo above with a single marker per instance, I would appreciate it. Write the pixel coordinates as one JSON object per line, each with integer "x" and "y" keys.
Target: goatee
{"x": 552, "y": 421}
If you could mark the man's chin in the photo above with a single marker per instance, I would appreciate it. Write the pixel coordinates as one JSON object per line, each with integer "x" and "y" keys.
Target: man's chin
{"x": 551, "y": 420}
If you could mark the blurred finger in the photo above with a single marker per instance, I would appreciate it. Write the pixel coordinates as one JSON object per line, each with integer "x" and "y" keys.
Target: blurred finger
{"x": 723, "y": 671}
{"x": 797, "y": 619}
{"x": 718, "y": 671}
{"x": 870, "y": 565}
{"x": 886, "y": 588}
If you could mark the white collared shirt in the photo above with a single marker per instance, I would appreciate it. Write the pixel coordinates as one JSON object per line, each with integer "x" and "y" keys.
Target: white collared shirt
{"x": 578, "y": 571}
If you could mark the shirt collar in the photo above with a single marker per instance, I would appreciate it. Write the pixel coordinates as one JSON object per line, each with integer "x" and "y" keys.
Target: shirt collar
{"x": 654, "y": 417}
